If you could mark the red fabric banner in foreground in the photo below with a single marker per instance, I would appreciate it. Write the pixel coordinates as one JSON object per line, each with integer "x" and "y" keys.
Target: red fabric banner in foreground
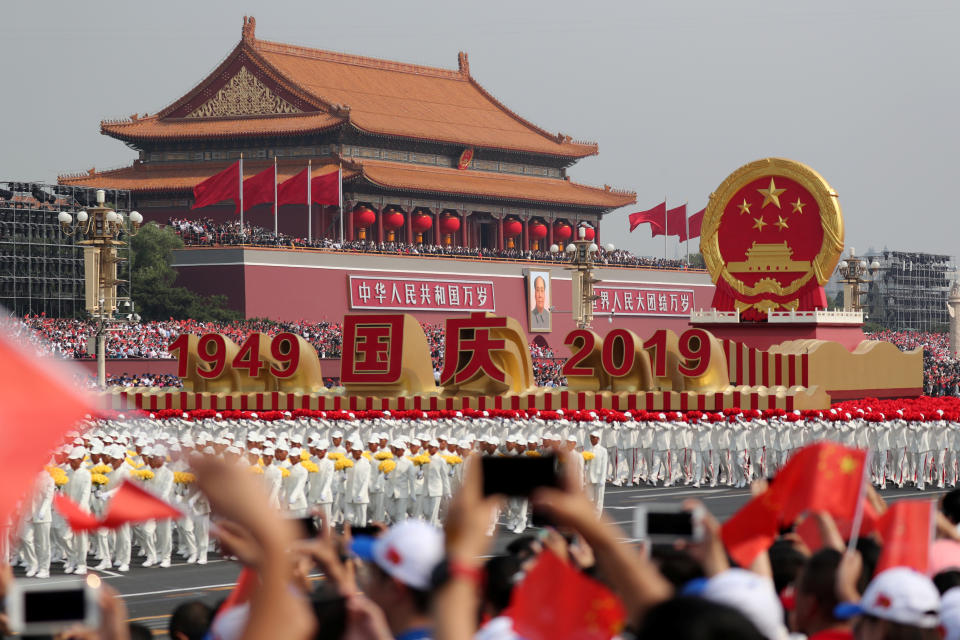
{"x": 38, "y": 405}
{"x": 907, "y": 532}
{"x": 557, "y": 601}
{"x": 130, "y": 504}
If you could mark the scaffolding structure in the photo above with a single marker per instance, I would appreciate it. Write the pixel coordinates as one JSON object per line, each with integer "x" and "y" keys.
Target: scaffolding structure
{"x": 41, "y": 268}
{"x": 910, "y": 291}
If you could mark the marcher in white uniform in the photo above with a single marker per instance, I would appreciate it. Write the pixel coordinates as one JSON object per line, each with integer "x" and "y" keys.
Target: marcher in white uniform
{"x": 356, "y": 489}
{"x": 436, "y": 484}
{"x": 295, "y": 485}
{"x": 320, "y": 493}
{"x": 597, "y": 471}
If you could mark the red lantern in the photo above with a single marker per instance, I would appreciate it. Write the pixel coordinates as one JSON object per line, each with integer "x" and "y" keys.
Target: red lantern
{"x": 588, "y": 233}
{"x": 364, "y": 217}
{"x": 538, "y": 230}
{"x": 422, "y": 222}
{"x": 449, "y": 224}
{"x": 562, "y": 231}
{"x": 392, "y": 219}
{"x": 512, "y": 228}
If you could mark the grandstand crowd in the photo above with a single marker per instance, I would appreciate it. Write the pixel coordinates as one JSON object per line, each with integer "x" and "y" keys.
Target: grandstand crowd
{"x": 206, "y": 232}
{"x": 68, "y": 338}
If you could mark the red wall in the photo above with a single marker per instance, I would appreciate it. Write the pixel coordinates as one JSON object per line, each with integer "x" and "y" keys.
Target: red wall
{"x": 301, "y": 293}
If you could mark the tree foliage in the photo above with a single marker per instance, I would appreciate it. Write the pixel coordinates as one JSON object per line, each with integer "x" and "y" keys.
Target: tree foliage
{"x": 152, "y": 282}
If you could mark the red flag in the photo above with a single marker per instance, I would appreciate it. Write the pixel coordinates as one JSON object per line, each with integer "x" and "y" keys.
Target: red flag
{"x": 132, "y": 503}
{"x": 752, "y": 529}
{"x": 223, "y": 186}
{"x": 77, "y": 518}
{"x": 822, "y": 477}
{"x": 38, "y": 405}
{"x": 325, "y": 188}
{"x": 656, "y": 217}
{"x": 677, "y": 222}
{"x": 694, "y": 224}
{"x": 907, "y": 532}
{"x": 293, "y": 190}
{"x": 258, "y": 189}
{"x": 555, "y": 600}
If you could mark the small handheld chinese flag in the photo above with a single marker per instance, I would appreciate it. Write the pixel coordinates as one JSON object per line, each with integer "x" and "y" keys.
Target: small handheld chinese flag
{"x": 556, "y": 601}
{"x": 78, "y": 519}
{"x": 132, "y": 503}
{"x": 907, "y": 532}
{"x": 825, "y": 476}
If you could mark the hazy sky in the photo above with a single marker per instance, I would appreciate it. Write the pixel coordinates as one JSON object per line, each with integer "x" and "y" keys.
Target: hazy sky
{"x": 678, "y": 94}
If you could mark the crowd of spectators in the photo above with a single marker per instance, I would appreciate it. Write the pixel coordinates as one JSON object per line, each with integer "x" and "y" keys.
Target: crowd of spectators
{"x": 206, "y": 232}
{"x": 941, "y": 370}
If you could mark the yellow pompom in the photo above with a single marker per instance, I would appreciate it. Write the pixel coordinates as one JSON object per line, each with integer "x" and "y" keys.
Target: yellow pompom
{"x": 453, "y": 459}
{"x": 304, "y": 455}
{"x": 284, "y": 472}
{"x": 343, "y": 463}
{"x": 143, "y": 474}
{"x": 255, "y": 468}
{"x": 335, "y": 455}
{"x": 533, "y": 453}
{"x": 383, "y": 455}
{"x": 387, "y": 466}
{"x": 588, "y": 455}
{"x": 101, "y": 468}
{"x": 311, "y": 467}
{"x": 184, "y": 477}
{"x": 99, "y": 478}
{"x": 367, "y": 455}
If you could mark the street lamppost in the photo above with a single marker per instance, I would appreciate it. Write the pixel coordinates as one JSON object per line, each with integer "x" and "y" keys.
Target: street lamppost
{"x": 100, "y": 229}
{"x": 853, "y": 272}
{"x": 581, "y": 253}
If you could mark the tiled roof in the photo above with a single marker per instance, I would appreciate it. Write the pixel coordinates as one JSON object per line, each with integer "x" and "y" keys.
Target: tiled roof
{"x": 377, "y": 96}
{"x": 154, "y": 128}
{"x": 502, "y": 186}
{"x": 178, "y": 177}
{"x": 182, "y": 177}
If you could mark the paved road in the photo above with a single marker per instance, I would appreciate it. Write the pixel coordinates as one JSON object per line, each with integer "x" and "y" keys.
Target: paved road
{"x": 151, "y": 594}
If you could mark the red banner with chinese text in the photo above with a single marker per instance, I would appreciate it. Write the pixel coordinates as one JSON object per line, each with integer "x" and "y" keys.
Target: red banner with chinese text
{"x": 420, "y": 294}
{"x": 643, "y": 301}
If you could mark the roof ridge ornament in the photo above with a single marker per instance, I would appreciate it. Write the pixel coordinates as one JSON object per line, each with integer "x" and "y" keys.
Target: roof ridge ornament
{"x": 463, "y": 63}
{"x": 249, "y": 29}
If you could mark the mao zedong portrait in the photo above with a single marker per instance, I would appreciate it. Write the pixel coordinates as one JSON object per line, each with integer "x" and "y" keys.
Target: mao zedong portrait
{"x": 539, "y": 314}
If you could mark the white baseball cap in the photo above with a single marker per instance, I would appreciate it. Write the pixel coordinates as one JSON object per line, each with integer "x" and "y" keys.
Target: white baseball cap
{"x": 950, "y": 613}
{"x": 295, "y": 452}
{"x": 77, "y": 453}
{"x": 752, "y": 595}
{"x": 408, "y": 551}
{"x": 902, "y": 595}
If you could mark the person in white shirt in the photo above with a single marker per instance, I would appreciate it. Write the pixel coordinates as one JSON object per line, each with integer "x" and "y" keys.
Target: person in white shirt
{"x": 41, "y": 517}
{"x": 78, "y": 490}
{"x": 356, "y": 489}
{"x": 436, "y": 484}
{"x": 320, "y": 492}
{"x": 295, "y": 493}
{"x": 597, "y": 471}
{"x": 122, "y": 541}
{"x": 157, "y": 534}
{"x": 273, "y": 478}
{"x": 579, "y": 465}
{"x": 401, "y": 484}
{"x": 376, "y": 482}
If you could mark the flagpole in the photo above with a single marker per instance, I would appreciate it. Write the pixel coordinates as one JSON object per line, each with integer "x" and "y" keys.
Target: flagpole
{"x": 340, "y": 197}
{"x": 275, "y": 226}
{"x": 858, "y": 513}
{"x": 309, "y": 203}
{"x": 686, "y": 222}
{"x": 664, "y": 227}
{"x": 241, "y": 198}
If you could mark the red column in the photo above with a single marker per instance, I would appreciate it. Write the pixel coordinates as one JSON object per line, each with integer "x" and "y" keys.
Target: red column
{"x": 379, "y": 226}
{"x": 348, "y": 223}
{"x": 437, "y": 235}
{"x": 408, "y": 223}
{"x": 525, "y": 243}
{"x": 549, "y": 234}
{"x": 464, "y": 241}
{"x": 499, "y": 234}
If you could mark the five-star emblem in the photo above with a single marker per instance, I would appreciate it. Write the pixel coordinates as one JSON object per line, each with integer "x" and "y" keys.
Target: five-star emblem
{"x": 771, "y": 194}
{"x": 847, "y": 465}
{"x": 781, "y": 223}
{"x": 744, "y": 207}
{"x": 759, "y": 224}
{"x": 798, "y": 206}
